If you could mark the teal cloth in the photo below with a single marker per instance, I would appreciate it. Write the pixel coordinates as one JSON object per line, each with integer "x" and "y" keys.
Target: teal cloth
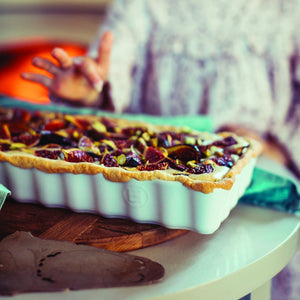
{"x": 201, "y": 123}
{"x": 4, "y": 192}
{"x": 266, "y": 189}
{"x": 272, "y": 191}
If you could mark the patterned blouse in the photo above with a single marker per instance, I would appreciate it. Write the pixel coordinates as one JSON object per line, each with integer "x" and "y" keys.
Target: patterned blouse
{"x": 237, "y": 63}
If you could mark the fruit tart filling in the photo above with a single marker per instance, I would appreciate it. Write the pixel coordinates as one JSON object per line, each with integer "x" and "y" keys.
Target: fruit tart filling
{"x": 117, "y": 143}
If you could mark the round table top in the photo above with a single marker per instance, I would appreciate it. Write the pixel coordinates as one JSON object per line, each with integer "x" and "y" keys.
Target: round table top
{"x": 249, "y": 248}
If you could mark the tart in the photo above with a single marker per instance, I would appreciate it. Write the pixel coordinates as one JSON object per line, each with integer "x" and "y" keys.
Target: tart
{"x": 121, "y": 150}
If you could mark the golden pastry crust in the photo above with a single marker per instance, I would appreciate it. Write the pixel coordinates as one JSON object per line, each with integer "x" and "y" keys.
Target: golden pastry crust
{"x": 205, "y": 183}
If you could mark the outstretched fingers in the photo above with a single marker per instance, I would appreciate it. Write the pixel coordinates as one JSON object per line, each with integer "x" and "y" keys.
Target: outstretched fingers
{"x": 38, "y": 78}
{"x": 63, "y": 58}
{"x": 88, "y": 67}
{"x": 45, "y": 64}
{"x": 104, "y": 51}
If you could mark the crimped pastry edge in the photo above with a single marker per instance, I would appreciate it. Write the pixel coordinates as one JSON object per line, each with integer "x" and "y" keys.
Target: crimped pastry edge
{"x": 205, "y": 184}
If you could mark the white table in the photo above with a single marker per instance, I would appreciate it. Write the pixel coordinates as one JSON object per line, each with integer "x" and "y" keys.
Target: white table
{"x": 249, "y": 248}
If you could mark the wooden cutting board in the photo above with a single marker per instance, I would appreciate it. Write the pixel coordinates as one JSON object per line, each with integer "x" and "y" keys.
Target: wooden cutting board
{"x": 82, "y": 228}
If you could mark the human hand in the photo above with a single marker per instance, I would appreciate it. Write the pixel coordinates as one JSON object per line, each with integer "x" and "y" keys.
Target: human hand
{"x": 77, "y": 80}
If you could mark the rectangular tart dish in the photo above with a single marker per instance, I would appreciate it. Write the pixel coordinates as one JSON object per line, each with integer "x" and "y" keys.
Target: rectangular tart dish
{"x": 172, "y": 176}
{"x": 167, "y": 203}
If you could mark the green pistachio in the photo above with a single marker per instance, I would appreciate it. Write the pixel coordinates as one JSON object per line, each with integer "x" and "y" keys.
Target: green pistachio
{"x": 190, "y": 140}
{"x": 121, "y": 159}
{"x": 142, "y": 141}
{"x": 207, "y": 153}
{"x": 110, "y": 144}
{"x": 192, "y": 164}
{"x": 99, "y": 127}
{"x": 14, "y": 146}
{"x": 216, "y": 150}
{"x": 146, "y": 136}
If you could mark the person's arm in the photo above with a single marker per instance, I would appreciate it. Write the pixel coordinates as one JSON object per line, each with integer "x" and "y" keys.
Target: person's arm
{"x": 287, "y": 132}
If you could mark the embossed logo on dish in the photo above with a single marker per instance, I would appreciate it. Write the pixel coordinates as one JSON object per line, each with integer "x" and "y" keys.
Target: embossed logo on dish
{"x": 135, "y": 196}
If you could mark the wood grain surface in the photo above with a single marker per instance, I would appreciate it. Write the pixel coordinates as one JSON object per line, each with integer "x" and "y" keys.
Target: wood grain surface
{"x": 82, "y": 228}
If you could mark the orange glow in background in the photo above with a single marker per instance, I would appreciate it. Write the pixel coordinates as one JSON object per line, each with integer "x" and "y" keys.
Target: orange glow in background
{"x": 16, "y": 58}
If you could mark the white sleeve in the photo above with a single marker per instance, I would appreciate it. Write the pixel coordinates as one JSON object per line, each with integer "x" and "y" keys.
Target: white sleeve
{"x": 129, "y": 21}
{"x": 287, "y": 129}
{"x": 294, "y": 12}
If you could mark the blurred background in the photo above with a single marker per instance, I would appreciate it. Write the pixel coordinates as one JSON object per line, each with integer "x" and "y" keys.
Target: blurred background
{"x": 34, "y": 27}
